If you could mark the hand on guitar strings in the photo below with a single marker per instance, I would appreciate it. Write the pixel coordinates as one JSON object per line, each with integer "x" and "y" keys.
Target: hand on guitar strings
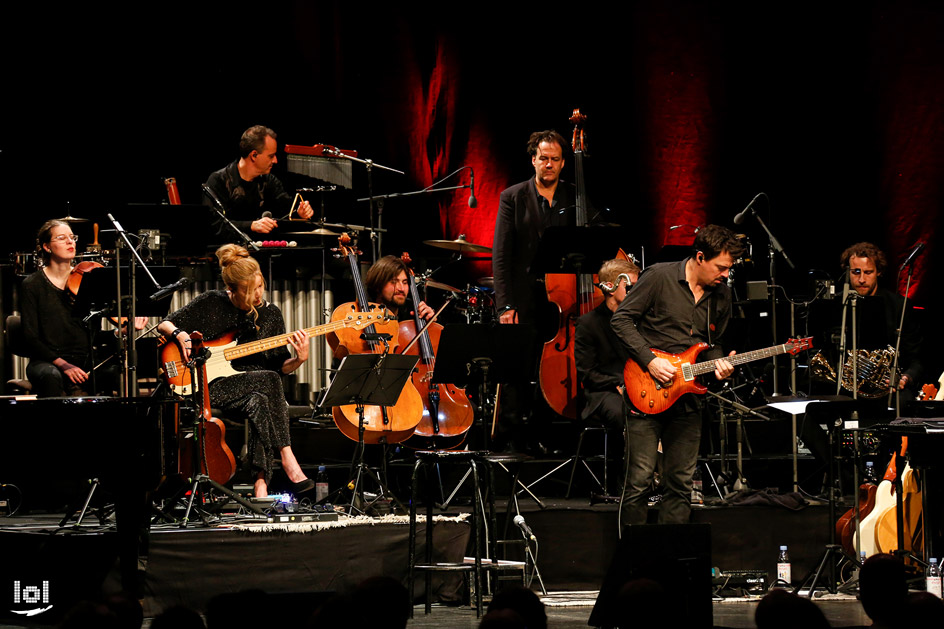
{"x": 299, "y": 341}
{"x": 662, "y": 370}
{"x": 723, "y": 369}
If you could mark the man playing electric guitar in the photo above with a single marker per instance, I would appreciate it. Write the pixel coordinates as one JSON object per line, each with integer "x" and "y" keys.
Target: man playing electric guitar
{"x": 674, "y": 306}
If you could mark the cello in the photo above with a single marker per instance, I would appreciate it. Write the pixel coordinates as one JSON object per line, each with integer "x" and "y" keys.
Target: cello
{"x": 573, "y": 296}
{"x": 447, "y": 413}
{"x": 382, "y": 424}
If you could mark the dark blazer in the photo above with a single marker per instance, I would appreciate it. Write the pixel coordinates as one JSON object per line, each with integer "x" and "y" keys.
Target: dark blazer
{"x": 518, "y": 229}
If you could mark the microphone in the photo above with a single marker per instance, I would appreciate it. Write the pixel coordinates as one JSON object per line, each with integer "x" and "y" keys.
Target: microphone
{"x": 914, "y": 254}
{"x": 267, "y": 214}
{"x": 216, "y": 200}
{"x": 521, "y": 524}
{"x": 170, "y": 289}
{"x": 472, "y": 201}
{"x": 740, "y": 217}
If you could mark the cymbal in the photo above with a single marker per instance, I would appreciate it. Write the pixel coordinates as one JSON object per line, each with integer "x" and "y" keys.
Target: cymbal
{"x": 321, "y": 231}
{"x": 441, "y": 286}
{"x": 72, "y": 219}
{"x": 460, "y": 244}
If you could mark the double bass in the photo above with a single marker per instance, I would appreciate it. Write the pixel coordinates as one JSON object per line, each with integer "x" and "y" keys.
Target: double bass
{"x": 447, "y": 413}
{"x": 572, "y": 296}
{"x": 382, "y": 424}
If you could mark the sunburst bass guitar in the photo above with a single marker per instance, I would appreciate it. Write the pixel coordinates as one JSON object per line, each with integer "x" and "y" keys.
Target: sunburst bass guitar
{"x": 653, "y": 397}
{"x": 224, "y": 349}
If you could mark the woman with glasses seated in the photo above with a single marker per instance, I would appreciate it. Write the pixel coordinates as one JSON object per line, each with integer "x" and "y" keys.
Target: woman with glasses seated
{"x": 56, "y": 340}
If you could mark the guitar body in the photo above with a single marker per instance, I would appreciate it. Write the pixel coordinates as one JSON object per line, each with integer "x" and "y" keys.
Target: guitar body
{"x": 845, "y": 526}
{"x": 886, "y": 529}
{"x": 220, "y": 462}
{"x": 651, "y": 397}
{"x": 170, "y": 353}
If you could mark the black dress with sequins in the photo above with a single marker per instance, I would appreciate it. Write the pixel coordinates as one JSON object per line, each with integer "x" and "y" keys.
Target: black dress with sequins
{"x": 256, "y": 393}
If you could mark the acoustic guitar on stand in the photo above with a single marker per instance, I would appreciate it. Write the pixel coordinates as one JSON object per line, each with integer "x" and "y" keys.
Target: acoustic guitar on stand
{"x": 652, "y": 397}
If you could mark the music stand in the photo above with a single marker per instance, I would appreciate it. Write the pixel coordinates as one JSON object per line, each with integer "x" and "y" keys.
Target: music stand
{"x": 584, "y": 249}
{"x": 838, "y": 416}
{"x": 368, "y": 379}
{"x": 480, "y": 353}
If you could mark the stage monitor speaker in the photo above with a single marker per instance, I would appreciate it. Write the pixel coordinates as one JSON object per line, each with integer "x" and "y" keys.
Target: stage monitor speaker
{"x": 677, "y": 557}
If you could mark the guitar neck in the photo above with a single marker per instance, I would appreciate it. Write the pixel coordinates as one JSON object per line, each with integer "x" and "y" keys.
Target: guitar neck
{"x": 708, "y": 366}
{"x": 254, "y": 347}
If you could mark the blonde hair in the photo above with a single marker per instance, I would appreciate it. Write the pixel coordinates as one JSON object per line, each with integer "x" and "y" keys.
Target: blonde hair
{"x": 238, "y": 268}
{"x": 612, "y": 269}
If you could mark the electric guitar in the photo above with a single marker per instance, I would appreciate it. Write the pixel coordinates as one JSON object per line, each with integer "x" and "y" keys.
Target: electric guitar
{"x": 225, "y": 350}
{"x": 652, "y": 397}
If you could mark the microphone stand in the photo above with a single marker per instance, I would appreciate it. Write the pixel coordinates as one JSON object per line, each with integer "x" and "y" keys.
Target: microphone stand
{"x": 376, "y": 238}
{"x": 129, "y": 380}
{"x": 221, "y": 212}
{"x": 893, "y": 377}
{"x": 774, "y": 247}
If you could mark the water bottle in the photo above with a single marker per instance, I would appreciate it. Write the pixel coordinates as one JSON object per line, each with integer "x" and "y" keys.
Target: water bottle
{"x": 321, "y": 484}
{"x": 783, "y": 566}
{"x": 698, "y": 494}
{"x": 932, "y": 578}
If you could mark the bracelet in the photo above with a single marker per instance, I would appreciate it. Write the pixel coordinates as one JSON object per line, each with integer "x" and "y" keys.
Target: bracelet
{"x": 174, "y": 334}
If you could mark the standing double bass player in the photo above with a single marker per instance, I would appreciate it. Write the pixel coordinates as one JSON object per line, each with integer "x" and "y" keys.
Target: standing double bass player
{"x": 525, "y": 210}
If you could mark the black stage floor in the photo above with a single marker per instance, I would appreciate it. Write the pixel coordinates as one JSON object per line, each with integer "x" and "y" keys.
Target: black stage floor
{"x": 577, "y": 542}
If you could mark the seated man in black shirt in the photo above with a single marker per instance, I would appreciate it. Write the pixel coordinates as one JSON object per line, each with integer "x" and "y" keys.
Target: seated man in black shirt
{"x": 880, "y": 313}
{"x": 247, "y": 189}
{"x": 599, "y": 353}
{"x": 387, "y": 284}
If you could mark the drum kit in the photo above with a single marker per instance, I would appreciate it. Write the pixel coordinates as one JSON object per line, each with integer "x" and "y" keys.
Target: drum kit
{"x": 477, "y": 301}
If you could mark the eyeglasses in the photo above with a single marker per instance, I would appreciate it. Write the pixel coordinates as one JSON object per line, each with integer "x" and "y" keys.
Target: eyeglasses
{"x": 65, "y": 237}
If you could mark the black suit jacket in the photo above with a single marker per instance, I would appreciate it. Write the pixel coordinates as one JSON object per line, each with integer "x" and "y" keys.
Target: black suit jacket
{"x": 518, "y": 229}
